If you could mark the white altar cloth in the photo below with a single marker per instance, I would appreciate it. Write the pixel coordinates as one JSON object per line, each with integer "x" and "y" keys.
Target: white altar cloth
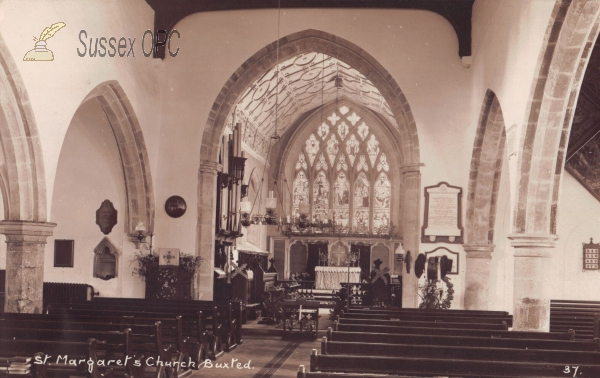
{"x": 329, "y": 277}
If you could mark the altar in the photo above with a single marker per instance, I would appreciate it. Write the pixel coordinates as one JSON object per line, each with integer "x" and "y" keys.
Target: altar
{"x": 329, "y": 277}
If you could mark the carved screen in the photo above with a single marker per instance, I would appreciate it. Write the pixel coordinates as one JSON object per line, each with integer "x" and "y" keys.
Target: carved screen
{"x": 342, "y": 170}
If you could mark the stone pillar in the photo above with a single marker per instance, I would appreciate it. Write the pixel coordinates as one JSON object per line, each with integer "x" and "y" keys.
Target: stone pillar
{"x": 411, "y": 230}
{"x": 205, "y": 229}
{"x": 531, "y": 302}
{"x": 477, "y": 281}
{"x": 25, "y": 244}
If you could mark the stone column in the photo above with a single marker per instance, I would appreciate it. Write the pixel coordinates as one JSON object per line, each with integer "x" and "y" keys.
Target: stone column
{"x": 205, "y": 229}
{"x": 25, "y": 244}
{"x": 477, "y": 281}
{"x": 531, "y": 302}
{"x": 411, "y": 230}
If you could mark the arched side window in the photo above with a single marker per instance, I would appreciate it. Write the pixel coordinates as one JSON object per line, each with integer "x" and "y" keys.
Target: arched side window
{"x": 342, "y": 172}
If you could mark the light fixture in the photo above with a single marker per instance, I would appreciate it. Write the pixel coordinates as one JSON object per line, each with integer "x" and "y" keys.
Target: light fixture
{"x": 270, "y": 206}
{"x": 141, "y": 236}
{"x": 246, "y": 212}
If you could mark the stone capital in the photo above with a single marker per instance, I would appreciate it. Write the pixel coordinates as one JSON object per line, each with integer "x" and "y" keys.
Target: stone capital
{"x": 533, "y": 245}
{"x": 26, "y": 231}
{"x": 411, "y": 169}
{"x": 479, "y": 251}
{"x": 210, "y": 167}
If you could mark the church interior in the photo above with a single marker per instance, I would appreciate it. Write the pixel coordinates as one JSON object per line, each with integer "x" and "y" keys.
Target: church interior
{"x": 298, "y": 188}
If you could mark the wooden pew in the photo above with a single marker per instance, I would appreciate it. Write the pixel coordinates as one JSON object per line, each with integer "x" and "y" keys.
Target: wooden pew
{"x": 578, "y": 315}
{"x": 234, "y": 315}
{"x": 418, "y": 310}
{"x": 431, "y": 317}
{"x": 445, "y": 367}
{"x": 465, "y": 341}
{"x": 365, "y": 328}
{"x": 430, "y": 324}
{"x": 460, "y": 352}
{"x": 115, "y": 344}
{"x": 190, "y": 320}
{"x": 187, "y": 341}
{"x": 44, "y": 350}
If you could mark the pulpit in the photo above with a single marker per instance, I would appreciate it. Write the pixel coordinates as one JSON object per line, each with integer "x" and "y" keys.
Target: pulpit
{"x": 329, "y": 277}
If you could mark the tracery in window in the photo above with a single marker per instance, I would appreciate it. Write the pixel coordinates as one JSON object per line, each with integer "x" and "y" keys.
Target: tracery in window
{"x": 323, "y": 130}
{"x": 362, "y": 164}
{"x": 352, "y": 147}
{"x": 383, "y": 165}
{"x": 373, "y": 149}
{"x": 341, "y": 165}
{"x": 301, "y": 164}
{"x": 332, "y": 148}
{"x": 312, "y": 147}
{"x": 356, "y": 191}
{"x": 343, "y": 130}
{"x": 322, "y": 163}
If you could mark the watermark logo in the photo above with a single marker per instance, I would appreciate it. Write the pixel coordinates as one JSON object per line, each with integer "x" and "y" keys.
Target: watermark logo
{"x": 41, "y": 53}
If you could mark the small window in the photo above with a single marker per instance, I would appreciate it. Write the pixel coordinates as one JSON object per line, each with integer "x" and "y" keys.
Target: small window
{"x": 63, "y": 253}
{"x": 106, "y": 257}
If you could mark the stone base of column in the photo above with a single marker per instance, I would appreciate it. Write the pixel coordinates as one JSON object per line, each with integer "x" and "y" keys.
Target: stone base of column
{"x": 25, "y": 242}
{"x": 477, "y": 280}
{"x": 531, "y": 302}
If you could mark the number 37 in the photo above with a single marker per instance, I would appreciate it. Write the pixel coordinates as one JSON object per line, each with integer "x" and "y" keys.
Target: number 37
{"x": 568, "y": 370}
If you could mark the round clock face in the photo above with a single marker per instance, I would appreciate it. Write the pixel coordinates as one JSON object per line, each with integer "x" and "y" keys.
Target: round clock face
{"x": 175, "y": 206}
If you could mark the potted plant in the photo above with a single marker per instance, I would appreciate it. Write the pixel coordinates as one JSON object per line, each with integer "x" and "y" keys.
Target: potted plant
{"x": 434, "y": 296}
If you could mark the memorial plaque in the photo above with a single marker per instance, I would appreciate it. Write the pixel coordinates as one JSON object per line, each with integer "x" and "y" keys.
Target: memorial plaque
{"x": 442, "y": 214}
{"x": 591, "y": 252}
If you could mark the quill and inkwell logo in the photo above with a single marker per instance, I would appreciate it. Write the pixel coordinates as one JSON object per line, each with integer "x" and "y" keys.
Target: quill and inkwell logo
{"x": 41, "y": 52}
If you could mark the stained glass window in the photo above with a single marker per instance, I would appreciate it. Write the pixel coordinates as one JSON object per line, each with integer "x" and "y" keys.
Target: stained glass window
{"x": 300, "y": 191}
{"x": 312, "y": 147}
{"x": 356, "y": 190}
{"x": 332, "y": 148}
{"x": 320, "y": 195}
{"x": 341, "y": 201}
{"x": 361, "y": 203}
{"x": 381, "y": 205}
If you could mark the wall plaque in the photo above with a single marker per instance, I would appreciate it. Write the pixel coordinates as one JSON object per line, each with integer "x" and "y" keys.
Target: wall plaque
{"x": 453, "y": 257}
{"x": 106, "y": 217}
{"x": 175, "y": 206}
{"x": 442, "y": 214}
{"x": 591, "y": 252}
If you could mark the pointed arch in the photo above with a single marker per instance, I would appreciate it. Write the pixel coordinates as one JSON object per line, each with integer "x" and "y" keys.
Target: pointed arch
{"x": 569, "y": 40}
{"x": 23, "y": 176}
{"x": 132, "y": 149}
{"x": 486, "y": 168}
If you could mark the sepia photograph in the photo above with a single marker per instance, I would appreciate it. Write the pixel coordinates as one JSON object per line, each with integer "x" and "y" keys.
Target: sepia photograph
{"x": 299, "y": 188}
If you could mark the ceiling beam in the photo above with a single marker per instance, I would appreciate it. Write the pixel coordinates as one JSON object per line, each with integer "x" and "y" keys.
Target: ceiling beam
{"x": 458, "y": 12}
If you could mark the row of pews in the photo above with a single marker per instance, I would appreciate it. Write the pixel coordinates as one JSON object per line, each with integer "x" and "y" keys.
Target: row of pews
{"x": 124, "y": 337}
{"x": 581, "y": 316}
{"x": 449, "y": 343}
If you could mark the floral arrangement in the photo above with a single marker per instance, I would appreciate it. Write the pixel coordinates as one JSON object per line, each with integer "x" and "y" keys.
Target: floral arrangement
{"x": 434, "y": 296}
{"x": 147, "y": 265}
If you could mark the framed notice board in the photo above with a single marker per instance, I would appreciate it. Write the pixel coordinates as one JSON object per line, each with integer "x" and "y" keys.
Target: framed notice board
{"x": 591, "y": 251}
{"x": 63, "y": 253}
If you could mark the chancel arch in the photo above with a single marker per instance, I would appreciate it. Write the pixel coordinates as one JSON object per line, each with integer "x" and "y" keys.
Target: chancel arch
{"x": 484, "y": 182}
{"x": 298, "y": 46}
